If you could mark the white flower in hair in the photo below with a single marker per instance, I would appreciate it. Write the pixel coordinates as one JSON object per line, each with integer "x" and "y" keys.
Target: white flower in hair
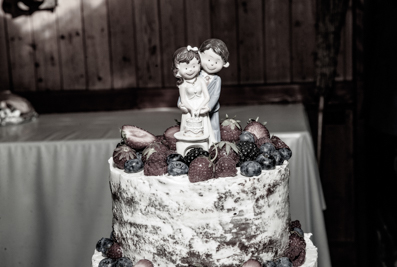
{"x": 195, "y": 49}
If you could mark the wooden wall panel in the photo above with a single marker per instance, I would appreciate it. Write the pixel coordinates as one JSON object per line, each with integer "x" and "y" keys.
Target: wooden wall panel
{"x": 21, "y": 53}
{"x": 95, "y": 17}
{"x": 340, "y": 67}
{"x": 122, "y": 37}
{"x": 277, "y": 41}
{"x": 148, "y": 43}
{"x": 198, "y": 21}
{"x": 72, "y": 51}
{"x": 4, "y": 73}
{"x": 303, "y": 40}
{"x": 224, "y": 27}
{"x": 46, "y": 53}
{"x": 172, "y": 20}
{"x": 251, "y": 63}
{"x": 349, "y": 44}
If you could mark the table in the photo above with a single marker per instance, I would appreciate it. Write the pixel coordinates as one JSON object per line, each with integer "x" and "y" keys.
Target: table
{"x": 55, "y": 202}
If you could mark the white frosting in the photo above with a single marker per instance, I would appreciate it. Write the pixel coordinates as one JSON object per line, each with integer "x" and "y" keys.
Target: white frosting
{"x": 219, "y": 222}
{"x": 310, "y": 260}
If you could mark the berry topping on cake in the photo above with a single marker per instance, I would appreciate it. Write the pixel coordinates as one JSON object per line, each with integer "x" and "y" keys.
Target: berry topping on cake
{"x": 152, "y": 148}
{"x": 296, "y": 251}
{"x": 283, "y": 262}
{"x": 200, "y": 169}
{"x": 278, "y": 157}
{"x": 222, "y": 149}
{"x": 266, "y": 161}
{"x": 169, "y": 136}
{"x": 247, "y": 136}
{"x": 193, "y": 153}
{"x": 225, "y": 167}
{"x": 176, "y": 168}
{"x": 270, "y": 264}
{"x": 104, "y": 244}
{"x": 257, "y": 128}
{"x": 133, "y": 166}
{"x": 252, "y": 263}
{"x": 278, "y": 143}
{"x": 267, "y": 148}
{"x": 124, "y": 262}
{"x": 250, "y": 168}
{"x": 175, "y": 157}
{"x": 114, "y": 252}
{"x": 121, "y": 154}
{"x": 247, "y": 151}
{"x": 136, "y": 137}
{"x": 294, "y": 224}
{"x": 230, "y": 129}
{"x": 286, "y": 153}
{"x": 107, "y": 263}
{"x": 262, "y": 141}
{"x": 144, "y": 263}
{"x": 298, "y": 231}
{"x": 156, "y": 165}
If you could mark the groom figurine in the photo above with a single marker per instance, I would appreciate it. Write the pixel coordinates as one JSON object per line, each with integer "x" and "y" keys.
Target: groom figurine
{"x": 214, "y": 56}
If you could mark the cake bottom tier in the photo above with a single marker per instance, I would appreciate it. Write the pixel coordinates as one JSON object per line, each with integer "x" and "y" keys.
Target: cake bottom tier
{"x": 310, "y": 260}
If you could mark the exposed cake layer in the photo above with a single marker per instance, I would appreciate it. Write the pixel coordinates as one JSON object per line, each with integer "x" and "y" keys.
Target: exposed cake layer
{"x": 219, "y": 222}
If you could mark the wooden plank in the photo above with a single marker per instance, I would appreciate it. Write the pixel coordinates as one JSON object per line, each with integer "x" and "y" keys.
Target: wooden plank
{"x": 251, "y": 64}
{"x": 148, "y": 43}
{"x": 122, "y": 37}
{"x": 172, "y": 35}
{"x": 21, "y": 51}
{"x": 4, "y": 73}
{"x": 349, "y": 44}
{"x": 303, "y": 40}
{"x": 340, "y": 67}
{"x": 96, "y": 36}
{"x": 47, "y": 55}
{"x": 70, "y": 32}
{"x": 224, "y": 27}
{"x": 198, "y": 21}
{"x": 277, "y": 40}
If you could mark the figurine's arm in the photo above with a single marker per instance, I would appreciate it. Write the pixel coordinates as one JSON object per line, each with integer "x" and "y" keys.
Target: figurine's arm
{"x": 216, "y": 93}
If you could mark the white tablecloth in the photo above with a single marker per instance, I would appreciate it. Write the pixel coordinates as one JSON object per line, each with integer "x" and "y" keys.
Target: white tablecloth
{"x": 55, "y": 202}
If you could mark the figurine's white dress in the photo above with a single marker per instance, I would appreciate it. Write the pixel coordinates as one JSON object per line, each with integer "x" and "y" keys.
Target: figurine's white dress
{"x": 195, "y": 96}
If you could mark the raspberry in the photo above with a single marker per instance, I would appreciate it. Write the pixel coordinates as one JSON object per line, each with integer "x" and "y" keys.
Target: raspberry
{"x": 248, "y": 151}
{"x": 114, "y": 252}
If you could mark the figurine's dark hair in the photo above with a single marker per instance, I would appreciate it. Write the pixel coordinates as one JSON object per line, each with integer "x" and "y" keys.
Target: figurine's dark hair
{"x": 218, "y": 46}
{"x": 182, "y": 55}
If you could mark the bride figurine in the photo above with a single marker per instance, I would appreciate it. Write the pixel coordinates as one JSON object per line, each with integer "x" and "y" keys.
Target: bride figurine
{"x": 194, "y": 96}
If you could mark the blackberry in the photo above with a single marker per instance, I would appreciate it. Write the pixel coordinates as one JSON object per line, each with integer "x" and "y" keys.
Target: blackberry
{"x": 248, "y": 151}
{"x": 194, "y": 153}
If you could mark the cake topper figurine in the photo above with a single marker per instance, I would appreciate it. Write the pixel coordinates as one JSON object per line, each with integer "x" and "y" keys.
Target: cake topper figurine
{"x": 214, "y": 57}
{"x": 195, "y": 129}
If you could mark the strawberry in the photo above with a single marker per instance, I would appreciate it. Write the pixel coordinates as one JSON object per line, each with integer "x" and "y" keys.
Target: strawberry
{"x": 262, "y": 140}
{"x": 257, "y": 128}
{"x": 252, "y": 263}
{"x": 156, "y": 165}
{"x": 153, "y": 147}
{"x": 230, "y": 129}
{"x": 169, "y": 136}
{"x": 226, "y": 167}
{"x": 121, "y": 154}
{"x": 136, "y": 137}
{"x": 201, "y": 169}
{"x": 222, "y": 149}
{"x": 278, "y": 143}
{"x": 296, "y": 250}
{"x": 114, "y": 252}
{"x": 144, "y": 263}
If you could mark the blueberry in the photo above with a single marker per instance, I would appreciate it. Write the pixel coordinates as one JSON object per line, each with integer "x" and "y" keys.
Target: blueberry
{"x": 266, "y": 161}
{"x": 250, "y": 168}
{"x": 286, "y": 152}
{"x": 175, "y": 157}
{"x": 176, "y": 168}
{"x": 267, "y": 148}
{"x": 283, "y": 262}
{"x": 104, "y": 244}
{"x": 139, "y": 155}
{"x": 133, "y": 165}
{"x": 278, "y": 157}
{"x": 269, "y": 264}
{"x": 123, "y": 262}
{"x": 299, "y": 231}
{"x": 107, "y": 262}
{"x": 247, "y": 136}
